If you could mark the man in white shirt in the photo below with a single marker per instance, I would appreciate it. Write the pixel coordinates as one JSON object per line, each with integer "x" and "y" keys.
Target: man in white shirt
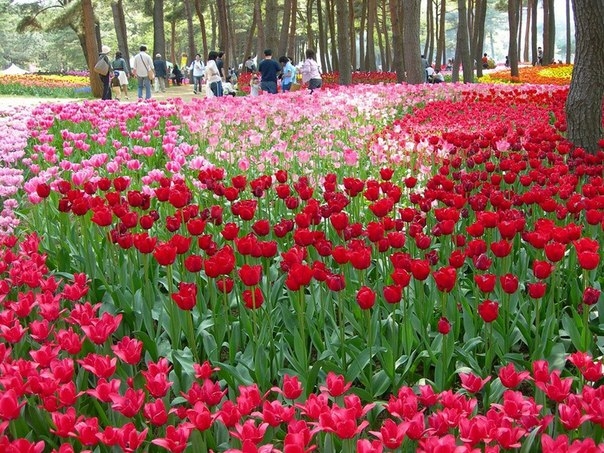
{"x": 141, "y": 66}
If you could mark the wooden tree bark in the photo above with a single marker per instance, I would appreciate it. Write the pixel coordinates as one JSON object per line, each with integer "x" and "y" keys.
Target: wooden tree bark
{"x": 334, "y": 61}
{"x": 480, "y": 15}
{"x": 362, "y": 28}
{"x": 352, "y": 35}
{"x": 549, "y": 31}
{"x": 463, "y": 55}
{"x": 271, "y": 25}
{"x": 371, "y": 17}
{"x": 322, "y": 37}
{"x": 191, "y": 49}
{"x": 387, "y": 58}
{"x": 202, "y": 24}
{"x": 159, "y": 33}
{"x": 398, "y": 63}
{"x": 568, "y": 33}
{"x": 527, "y": 34}
{"x": 344, "y": 43}
{"x": 92, "y": 47}
{"x": 534, "y": 45}
{"x": 261, "y": 44}
{"x": 513, "y": 12}
{"x": 411, "y": 51}
{"x": 440, "y": 35}
{"x": 119, "y": 22}
{"x": 291, "y": 48}
{"x": 310, "y": 36}
{"x": 584, "y": 102}
{"x": 285, "y": 25}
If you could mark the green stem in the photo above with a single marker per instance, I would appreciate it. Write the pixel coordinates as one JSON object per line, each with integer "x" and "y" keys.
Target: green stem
{"x": 173, "y": 315}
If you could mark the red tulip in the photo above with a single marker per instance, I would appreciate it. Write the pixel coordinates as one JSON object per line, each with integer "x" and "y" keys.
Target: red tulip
{"x": 252, "y": 298}
{"x": 485, "y": 282}
{"x": 443, "y": 326}
{"x": 186, "y": 297}
{"x": 392, "y": 294}
{"x": 536, "y": 290}
{"x": 591, "y": 296}
{"x": 488, "y": 310}
{"x": 511, "y": 378}
{"x": 250, "y": 275}
{"x": 445, "y": 278}
{"x": 165, "y": 253}
{"x": 473, "y": 383}
{"x": 542, "y": 269}
{"x": 365, "y": 297}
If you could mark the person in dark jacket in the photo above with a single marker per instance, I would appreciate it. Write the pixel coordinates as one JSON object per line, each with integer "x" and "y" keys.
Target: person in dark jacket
{"x": 177, "y": 75}
{"x": 161, "y": 73}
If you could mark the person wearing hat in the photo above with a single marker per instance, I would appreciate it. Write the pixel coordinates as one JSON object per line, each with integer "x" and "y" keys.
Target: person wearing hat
{"x": 105, "y": 78}
{"x": 161, "y": 73}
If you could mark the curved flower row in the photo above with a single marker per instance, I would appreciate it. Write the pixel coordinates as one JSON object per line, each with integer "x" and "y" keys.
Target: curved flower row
{"x": 559, "y": 74}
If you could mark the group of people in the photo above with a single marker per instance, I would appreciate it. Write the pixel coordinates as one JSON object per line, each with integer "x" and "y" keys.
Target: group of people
{"x": 270, "y": 71}
{"x": 208, "y": 77}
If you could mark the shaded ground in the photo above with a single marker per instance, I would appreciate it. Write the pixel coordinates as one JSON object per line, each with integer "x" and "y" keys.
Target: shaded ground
{"x": 185, "y": 92}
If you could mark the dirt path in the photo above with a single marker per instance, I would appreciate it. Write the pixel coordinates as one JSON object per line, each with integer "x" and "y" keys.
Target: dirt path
{"x": 185, "y": 92}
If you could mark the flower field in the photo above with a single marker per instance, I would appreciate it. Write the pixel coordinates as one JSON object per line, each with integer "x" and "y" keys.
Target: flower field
{"x": 371, "y": 268}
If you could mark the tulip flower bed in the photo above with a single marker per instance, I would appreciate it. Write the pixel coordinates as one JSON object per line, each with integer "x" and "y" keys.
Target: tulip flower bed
{"x": 44, "y": 85}
{"x": 559, "y": 74}
{"x": 371, "y": 268}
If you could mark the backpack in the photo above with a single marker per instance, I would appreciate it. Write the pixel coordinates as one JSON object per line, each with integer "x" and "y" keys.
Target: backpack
{"x": 102, "y": 67}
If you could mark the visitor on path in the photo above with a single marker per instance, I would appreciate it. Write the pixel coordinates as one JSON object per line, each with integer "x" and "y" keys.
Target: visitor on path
{"x": 539, "y": 56}
{"x": 249, "y": 64}
{"x": 105, "y": 78}
{"x": 429, "y": 74}
{"x": 255, "y": 86}
{"x": 269, "y": 69}
{"x": 438, "y": 76}
{"x": 288, "y": 73}
{"x": 310, "y": 72}
{"x": 485, "y": 61}
{"x": 425, "y": 65}
{"x": 212, "y": 75}
{"x": 161, "y": 73}
{"x": 220, "y": 65}
{"x": 116, "y": 90}
{"x": 119, "y": 65}
{"x": 177, "y": 75}
{"x": 142, "y": 64}
{"x": 197, "y": 69}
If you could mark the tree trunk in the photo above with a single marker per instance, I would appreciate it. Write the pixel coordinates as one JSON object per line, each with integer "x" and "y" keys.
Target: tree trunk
{"x": 119, "y": 22}
{"x": 534, "y": 44}
{"x": 584, "y": 102}
{"x": 344, "y": 43}
{"x": 191, "y": 50}
{"x": 310, "y": 36}
{"x": 159, "y": 33}
{"x": 204, "y": 35}
{"x": 398, "y": 63}
{"x": 549, "y": 31}
{"x": 387, "y": 58}
{"x": 513, "y": 8}
{"x": 568, "y": 34}
{"x": 285, "y": 25}
{"x": 92, "y": 47}
{"x": 333, "y": 36}
{"x": 441, "y": 54}
{"x": 463, "y": 55}
{"x": 271, "y": 34}
{"x": 352, "y": 35}
{"x": 261, "y": 39}
{"x": 370, "y": 55}
{"x": 322, "y": 36}
{"x": 411, "y": 52}
{"x": 527, "y": 34}
{"x": 362, "y": 28}
{"x": 291, "y": 48}
{"x": 480, "y": 14}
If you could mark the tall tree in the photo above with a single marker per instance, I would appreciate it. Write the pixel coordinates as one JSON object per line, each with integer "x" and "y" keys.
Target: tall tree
{"x": 344, "y": 43}
{"x": 441, "y": 56}
{"x": 513, "y": 12}
{"x": 411, "y": 51}
{"x": 199, "y": 8}
{"x": 119, "y": 22}
{"x": 549, "y": 31}
{"x": 584, "y": 102}
{"x": 480, "y": 15}
{"x": 568, "y": 33}
{"x": 92, "y": 46}
{"x": 159, "y": 32}
{"x": 371, "y": 19}
{"x": 191, "y": 48}
{"x": 462, "y": 49}
{"x": 396, "y": 13}
{"x": 285, "y": 25}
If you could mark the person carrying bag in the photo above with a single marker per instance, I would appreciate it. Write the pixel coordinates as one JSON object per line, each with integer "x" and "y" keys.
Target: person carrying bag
{"x": 102, "y": 69}
{"x": 143, "y": 71}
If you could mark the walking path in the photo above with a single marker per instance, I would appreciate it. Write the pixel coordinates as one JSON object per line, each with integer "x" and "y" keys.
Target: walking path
{"x": 185, "y": 92}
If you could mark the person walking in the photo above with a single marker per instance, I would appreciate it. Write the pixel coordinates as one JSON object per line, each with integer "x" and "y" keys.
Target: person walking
{"x": 288, "y": 73}
{"x": 269, "y": 69}
{"x": 212, "y": 75}
{"x": 161, "y": 73}
{"x": 141, "y": 67}
{"x": 310, "y": 71}
{"x": 119, "y": 65}
{"x": 197, "y": 69}
{"x": 107, "y": 77}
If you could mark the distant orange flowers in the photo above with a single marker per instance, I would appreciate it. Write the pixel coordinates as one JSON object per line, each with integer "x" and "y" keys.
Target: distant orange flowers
{"x": 46, "y": 81}
{"x": 541, "y": 75}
